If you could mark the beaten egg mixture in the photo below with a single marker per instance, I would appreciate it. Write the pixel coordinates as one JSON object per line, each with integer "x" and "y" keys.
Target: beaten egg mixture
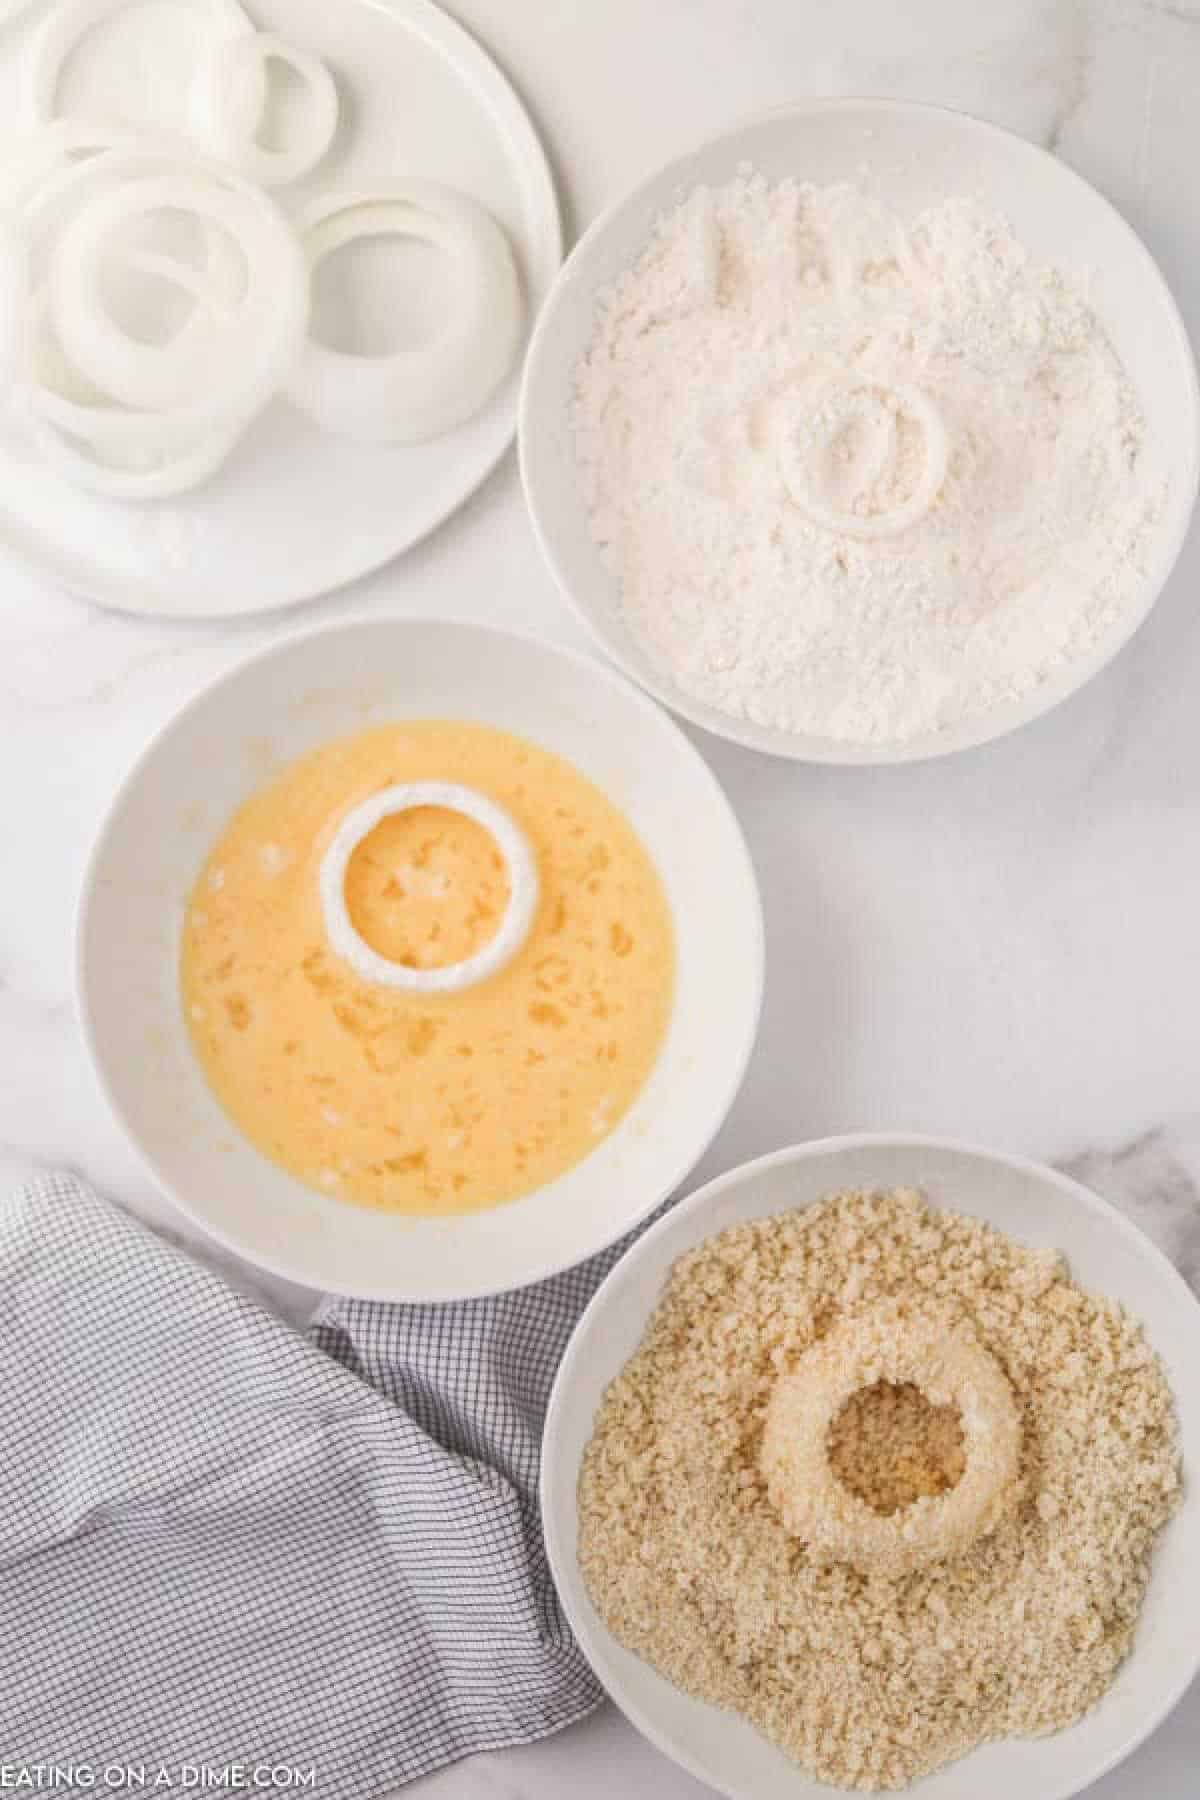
{"x": 416, "y": 1102}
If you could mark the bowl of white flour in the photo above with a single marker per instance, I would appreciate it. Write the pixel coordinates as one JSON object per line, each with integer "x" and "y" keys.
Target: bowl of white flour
{"x": 863, "y": 433}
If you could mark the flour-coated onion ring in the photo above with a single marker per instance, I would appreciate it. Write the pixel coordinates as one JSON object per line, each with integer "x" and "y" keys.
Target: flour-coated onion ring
{"x": 14, "y": 304}
{"x": 830, "y": 404}
{"x": 947, "y": 1362}
{"x": 239, "y": 363}
{"x": 233, "y": 119}
{"x": 510, "y": 840}
{"x": 67, "y": 23}
{"x": 410, "y": 396}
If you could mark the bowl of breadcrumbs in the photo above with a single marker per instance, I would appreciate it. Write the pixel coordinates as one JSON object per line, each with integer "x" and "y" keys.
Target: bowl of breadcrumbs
{"x": 869, "y": 1465}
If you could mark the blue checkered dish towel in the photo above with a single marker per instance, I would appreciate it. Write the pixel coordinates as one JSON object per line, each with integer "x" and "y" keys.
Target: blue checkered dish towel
{"x": 223, "y": 1543}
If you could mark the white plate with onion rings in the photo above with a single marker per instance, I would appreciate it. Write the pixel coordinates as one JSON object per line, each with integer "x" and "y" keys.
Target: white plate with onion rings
{"x": 323, "y": 685}
{"x": 1039, "y": 1207}
{"x": 315, "y": 360}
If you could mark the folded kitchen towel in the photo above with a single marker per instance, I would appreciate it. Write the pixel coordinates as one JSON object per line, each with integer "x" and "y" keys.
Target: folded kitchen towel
{"x": 223, "y": 1543}
{"x": 226, "y": 1546}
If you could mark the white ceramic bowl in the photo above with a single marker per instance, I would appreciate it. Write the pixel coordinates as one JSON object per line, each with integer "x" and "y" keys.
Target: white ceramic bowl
{"x": 223, "y": 745}
{"x": 912, "y": 155}
{"x": 1033, "y": 1204}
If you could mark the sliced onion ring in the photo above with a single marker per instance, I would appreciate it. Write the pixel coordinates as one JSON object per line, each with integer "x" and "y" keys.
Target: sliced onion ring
{"x": 110, "y": 450}
{"x": 249, "y": 355}
{"x": 66, "y": 161}
{"x": 52, "y": 171}
{"x": 14, "y": 304}
{"x": 214, "y": 298}
{"x": 174, "y": 473}
{"x": 130, "y": 452}
{"x": 40, "y": 158}
{"x": 56, "y": 395}
{"x": 63, "y": 27}
{"x": 61, "y": 164}
{"x": 510, "y": 840}
{"x": 233, "y": 110}
{"x": 413, "y": 395}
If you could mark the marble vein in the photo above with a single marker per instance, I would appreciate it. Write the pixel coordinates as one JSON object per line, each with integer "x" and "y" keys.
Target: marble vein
{"x": 1073, "y": 61}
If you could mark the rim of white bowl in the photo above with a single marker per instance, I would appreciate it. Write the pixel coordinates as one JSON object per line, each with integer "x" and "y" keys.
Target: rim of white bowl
{"x": 560, "y": 1400}
{"x": 770, "y": 740}
{"x": 680, "y": 1170}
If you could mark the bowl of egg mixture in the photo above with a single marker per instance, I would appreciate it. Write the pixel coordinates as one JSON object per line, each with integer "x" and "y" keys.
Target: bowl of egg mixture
{"x": 419, "y": 960}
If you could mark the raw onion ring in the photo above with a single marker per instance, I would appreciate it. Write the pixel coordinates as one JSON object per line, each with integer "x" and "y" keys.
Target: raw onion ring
{"x": 14, "y": 303}
{"x": 173, "y": 474}
{"x": 208, "y": 297}
{"x": 137, "y": 452}
{"x": 510, "y": 840}
{"x": 62, "y": 162}
{"x": 40, "y": 158}
{"x": 410, "y": 396}
{"x": 56, "y": 395}
{"x": 68, "y": 158}
{"x": 248, "y": 357}
{"x": 111, "y": 451}
{"x": 946, "y": 1361}
{"x": 61, "y": 30}
{"x": 233, "y": 121}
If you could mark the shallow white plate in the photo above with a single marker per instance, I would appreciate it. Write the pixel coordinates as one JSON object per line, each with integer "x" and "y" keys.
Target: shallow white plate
{"x": 222, "y": 746}
{"x": 295, "y": 512}
{"x": 909, "y": 156}
{"x": 1037, "y": 1206}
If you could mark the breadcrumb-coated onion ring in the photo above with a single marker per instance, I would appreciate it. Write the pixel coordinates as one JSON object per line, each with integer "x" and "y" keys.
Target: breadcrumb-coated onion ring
{"x": 944, "y": 1359}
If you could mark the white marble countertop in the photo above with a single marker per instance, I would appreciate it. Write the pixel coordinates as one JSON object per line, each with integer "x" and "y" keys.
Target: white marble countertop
{"x": 1000, "y": 947}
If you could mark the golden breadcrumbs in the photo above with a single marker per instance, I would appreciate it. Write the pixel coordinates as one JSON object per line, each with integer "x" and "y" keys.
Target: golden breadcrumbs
{"x": 867, "y": 1681}
{"x": 889, "y": 1446}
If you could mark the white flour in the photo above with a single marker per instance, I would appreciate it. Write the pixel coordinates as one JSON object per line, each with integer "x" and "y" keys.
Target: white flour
{"x": 856, "y": 478}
